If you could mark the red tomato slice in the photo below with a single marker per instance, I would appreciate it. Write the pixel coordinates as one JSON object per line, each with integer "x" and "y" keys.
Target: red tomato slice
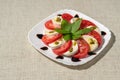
{"x": 49, "y": 25}
{"x": 83, "y": 49}
{"x": 65, "y": 47}
{"x": 49, "y": 39}
{"x": 86, "y": 23}
{"x": 67, "y": 16}
{"x": 97, "y": 36}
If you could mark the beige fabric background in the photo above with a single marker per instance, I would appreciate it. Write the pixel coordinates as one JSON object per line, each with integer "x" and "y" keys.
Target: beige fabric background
{"x": 20, "y": 61}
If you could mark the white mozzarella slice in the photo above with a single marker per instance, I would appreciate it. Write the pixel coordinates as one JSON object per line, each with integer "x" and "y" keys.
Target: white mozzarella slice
{"x": 73, "y": 50}
{"x": 57, "y": 43}
{"x": 91, "y": 41}
{"x": 73, "y": 19}
{"x": 57, "y": 20}
{"x": 96, "y": 29}
{"x": 50, "y": 32}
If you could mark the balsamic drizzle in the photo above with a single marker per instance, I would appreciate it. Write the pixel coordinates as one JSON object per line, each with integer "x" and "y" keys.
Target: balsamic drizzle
{"x": 91, "y": 53}
{"x": 44, "y": 48}
{"x": 39, "y": 36}
{"x": 76, "y": 16}
{"x": 59, "y": 57}
{"x": 103, "y": 33}
{"x": 75, "y": 59}
{"x": 59, "y": 15}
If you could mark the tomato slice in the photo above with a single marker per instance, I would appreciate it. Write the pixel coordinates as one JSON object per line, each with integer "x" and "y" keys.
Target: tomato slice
{"x": 65, "y": 47}
{"x": 67, "y": 17}
{"x": 97, "y": 36}
{"x": 49, "y": 25}
{"x": 83, "y": 49}
{"x": 86, "y": 23}
{"x": 49, "y": 39}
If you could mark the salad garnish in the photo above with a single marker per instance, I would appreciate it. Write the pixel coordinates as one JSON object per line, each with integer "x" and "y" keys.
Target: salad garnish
{"x": 72, "y": 31}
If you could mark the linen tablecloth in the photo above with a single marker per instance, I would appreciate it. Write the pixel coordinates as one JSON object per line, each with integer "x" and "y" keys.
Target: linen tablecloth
{"x": 20, "y": 61}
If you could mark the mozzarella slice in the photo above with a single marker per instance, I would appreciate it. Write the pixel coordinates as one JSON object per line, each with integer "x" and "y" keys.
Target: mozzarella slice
{"x": 50, "y": 32}
{"x": 57, "y": 43}
{"x": 72, "y": 50}
{"x": 74, "y": 19}
{"x": 57, "y": 20}
{"x": 91, "y": 41}
{"x": 97, "y": 29}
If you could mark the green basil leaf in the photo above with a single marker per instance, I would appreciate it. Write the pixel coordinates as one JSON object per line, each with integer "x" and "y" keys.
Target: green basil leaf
{"x": 76, "y": 25}
{"x": 58, "y": 30}
{"x": 67, "y": 37}
{"x": 62, "y": 31}
{"x": 79, "y": 32}
{"x": 76, "y": 37}
{"x": 84, "y": 31}
{"x": 66, "y": 26}
{"x": 63, "y": 24}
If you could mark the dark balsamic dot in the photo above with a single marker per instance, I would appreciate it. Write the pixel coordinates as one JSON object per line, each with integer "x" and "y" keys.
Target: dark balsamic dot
{"x": 39, "y": 36}
{"x": 91, "y": 53}
{"x": 75, "y": 59}
{"x": 59, "y": 57}
{"x": 103, "y": 33}
{"x": 76, "y": 16}
{"x": 59, "y": 15}
{"x": 44, "y": 48}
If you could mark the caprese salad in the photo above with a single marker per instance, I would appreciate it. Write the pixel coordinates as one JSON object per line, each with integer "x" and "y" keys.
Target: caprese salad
{"x": 71, "y": 36}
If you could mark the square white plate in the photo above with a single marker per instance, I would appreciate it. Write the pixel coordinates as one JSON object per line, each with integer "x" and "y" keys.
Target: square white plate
{"x": 39, "y": 28}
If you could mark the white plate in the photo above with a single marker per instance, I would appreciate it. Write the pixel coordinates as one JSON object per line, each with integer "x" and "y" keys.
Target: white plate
{"x": 39, "y": 28}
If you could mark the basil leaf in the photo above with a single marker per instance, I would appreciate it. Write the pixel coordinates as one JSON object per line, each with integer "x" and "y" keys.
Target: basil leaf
{"x": 64, "y": 23}
{"x": 76, "y": 25}
{"x": 62, "y": 31}
{"x": 67, "y": 37}
{"x": 76, "y": 37}
{"x": 58, "y": 30}
{"x": 66, "y": 26}
{"x": 84, "y": 31}
{"x": 78, "y": 32}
